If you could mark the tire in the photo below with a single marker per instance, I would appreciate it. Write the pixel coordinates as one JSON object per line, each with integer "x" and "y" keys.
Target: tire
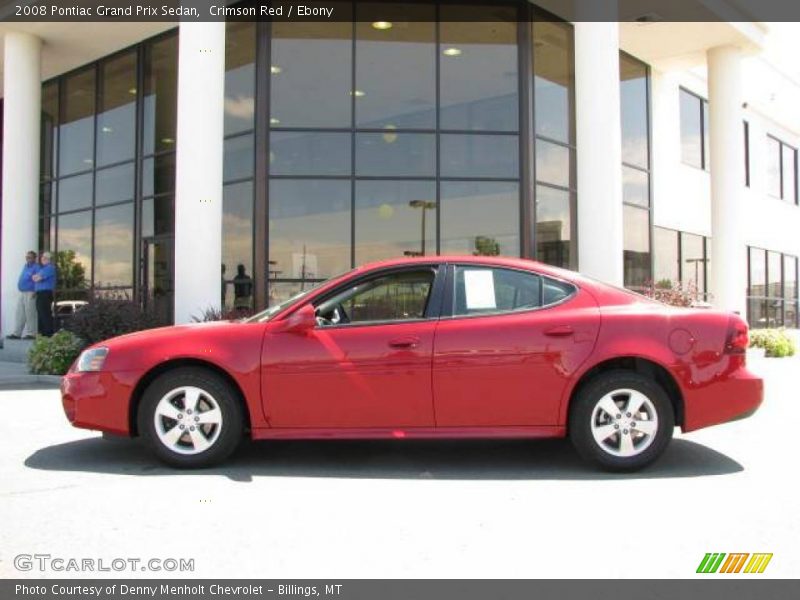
{"x": 618, "y": 442}
{"x": 189, "y": 437}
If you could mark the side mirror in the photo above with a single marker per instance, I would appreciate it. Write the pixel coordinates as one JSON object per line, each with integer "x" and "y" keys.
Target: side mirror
{"x": 302, "y": 320}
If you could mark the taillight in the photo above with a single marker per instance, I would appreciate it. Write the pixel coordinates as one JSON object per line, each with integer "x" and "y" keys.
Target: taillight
{"x": 737, "y": 340}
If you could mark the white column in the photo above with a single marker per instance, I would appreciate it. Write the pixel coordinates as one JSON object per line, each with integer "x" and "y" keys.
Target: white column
{"x": 198, "y": 176}
{"x": 599, "y": 150}
{"x": 22, "y": 88}
{"x": 726, "y": 146}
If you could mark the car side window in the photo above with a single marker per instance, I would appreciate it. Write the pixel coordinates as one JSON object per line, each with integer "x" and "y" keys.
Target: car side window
{"x": 484, "y": 290}
{"x": 399, "y": 296}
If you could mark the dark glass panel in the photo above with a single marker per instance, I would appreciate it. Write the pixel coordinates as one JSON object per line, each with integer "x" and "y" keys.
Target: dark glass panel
{"x": 665, "y": 249}
{"x": 790, "y": 277}
{"x": 693, "y": 260}
{"x": 478, "y": 71}
{"x": 75, "y": 192}
{"x": 554, "y": 164}
{"x": 466, "y": 155}
{"x": 757, "y": 313}
{"x": 160, "y": 95}
{"x": 773, "y": 167}
{"x": 75, "y": 247}
{"x": 238, "y": 157}
{"x": 691, "y": 130}
{"x": 280, "y": 291}
{"x": 114, "y": 184}
{"x": 395, "y": 82}
{"x": 113, "y": 246}
{"x": 636, "y": 245}
{"x": 116, "y": 116}
{"x": 309, "y": 228}
{"x": 49, "y": 129}
{"x": 76, "y": 133}
{"x": 311, "y": 72}
{"x": 237, "y": 245}
{"x": 758, "y": 272}
{"x": 46, "y": 241}
{"x": 47, "y": 203}
{"x": 309, "y": 153}
{"x": 158, "y": 216}
{"x": 553, "y": 235}
{"x": 158, "y": 175}
{"x": 554, "y": 80}
{"x": 633, "y": 97}
{"x": 396, "y": 154}
{"x": 789, "y": 157}
{"x": 774, "y": 276}
{"x": 240, "y": 76}
{"x": 394, "y": 218}
{"x": 635, "y": 186}
{"x": 706, "y": 138}
{"x": 480, "y": 217}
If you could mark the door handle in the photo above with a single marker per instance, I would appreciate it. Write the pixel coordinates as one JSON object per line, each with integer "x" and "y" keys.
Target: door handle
{"x": 404, "y": 342}
{"x": 560, "y": 331}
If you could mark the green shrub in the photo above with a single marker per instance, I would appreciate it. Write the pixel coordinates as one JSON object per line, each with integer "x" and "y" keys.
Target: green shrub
{"x": 105, "y": 318}
{"x": 53, "y": 355}
{"x": 775, "y": 342}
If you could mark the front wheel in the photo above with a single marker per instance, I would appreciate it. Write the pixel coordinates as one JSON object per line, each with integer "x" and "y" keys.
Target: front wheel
{"x": 621, "y": 420}
{"x": 190, "y": 417}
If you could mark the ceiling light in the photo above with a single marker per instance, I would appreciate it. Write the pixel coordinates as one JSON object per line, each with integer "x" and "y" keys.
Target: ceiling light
{"x": 358, "y": 93}
{"x": 275, "y": 69}
{"x": 274, "y": 121}
{"x": 167, "y": 140}
{"x": 382, "y": 25}
{"x": 452, "y": 52}
{"x": 132, "y": 91}
{"x": 88, "y": 161}
{"x": 106, "y": 129}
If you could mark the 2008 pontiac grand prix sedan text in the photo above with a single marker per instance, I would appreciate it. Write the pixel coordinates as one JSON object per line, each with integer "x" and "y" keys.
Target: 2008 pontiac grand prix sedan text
{"x": 449, "y": 347}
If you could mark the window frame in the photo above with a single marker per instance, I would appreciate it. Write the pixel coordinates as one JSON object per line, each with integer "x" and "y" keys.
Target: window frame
{"x": 767, "y": 298}
{"x": 449, "y": 299}
{"x": 782, "y": 147}
{"x": 704, "y": 150}
{"x": 433, "y": 306}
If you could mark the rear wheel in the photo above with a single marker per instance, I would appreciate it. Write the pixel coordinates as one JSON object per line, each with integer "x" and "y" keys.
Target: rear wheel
{"x": 621, "y": 420}
{"x": 190, "y": 417}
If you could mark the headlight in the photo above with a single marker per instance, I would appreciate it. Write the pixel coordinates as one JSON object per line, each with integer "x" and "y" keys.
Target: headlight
{"x": 91, "y": 359}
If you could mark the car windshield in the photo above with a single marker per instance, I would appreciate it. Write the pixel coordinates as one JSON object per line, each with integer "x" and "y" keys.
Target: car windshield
{"x": 270, "y": 312}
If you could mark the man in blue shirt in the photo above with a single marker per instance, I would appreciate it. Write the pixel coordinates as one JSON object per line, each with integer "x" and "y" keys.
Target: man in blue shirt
{"x": 26, "y": 305}
{"x": 44, "y": 283}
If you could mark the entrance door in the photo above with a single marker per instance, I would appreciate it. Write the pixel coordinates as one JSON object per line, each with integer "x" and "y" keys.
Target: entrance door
{"x": 158, "y": 276}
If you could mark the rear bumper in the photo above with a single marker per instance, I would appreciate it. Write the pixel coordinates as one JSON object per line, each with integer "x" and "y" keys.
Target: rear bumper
{"x": 100, "y": 400}
{"x": 736, "y": 396}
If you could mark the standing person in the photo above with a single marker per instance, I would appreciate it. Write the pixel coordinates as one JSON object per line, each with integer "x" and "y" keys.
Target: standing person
{"x": 45, "y": 282}
{"x": 26, "y": 305}
{"x": 242, "y": 289}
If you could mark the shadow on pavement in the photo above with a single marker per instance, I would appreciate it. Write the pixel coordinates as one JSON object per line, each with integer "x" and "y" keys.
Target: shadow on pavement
{"x": 435, "y": 460}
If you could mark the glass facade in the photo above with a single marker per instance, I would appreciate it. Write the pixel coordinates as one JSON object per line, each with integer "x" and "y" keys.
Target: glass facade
{"x": 375, "y": 138}
{"x": 781, "y": 170}
{"x": 635, "y": 109}
{"x": 694, "y": 130}
{"x": 772, "y": 289}
{"x": 107, "y": 177}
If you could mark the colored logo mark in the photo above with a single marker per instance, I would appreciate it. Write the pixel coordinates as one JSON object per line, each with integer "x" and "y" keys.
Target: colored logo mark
{"x": 735, "y": 562}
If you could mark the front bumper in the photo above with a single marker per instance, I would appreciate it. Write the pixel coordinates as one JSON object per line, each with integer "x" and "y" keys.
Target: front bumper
{"x": 736, "y": 396}
{"x": 99, "y": 400}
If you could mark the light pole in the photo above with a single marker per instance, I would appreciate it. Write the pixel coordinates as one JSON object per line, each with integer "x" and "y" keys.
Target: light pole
{"x": 425, "y": 205}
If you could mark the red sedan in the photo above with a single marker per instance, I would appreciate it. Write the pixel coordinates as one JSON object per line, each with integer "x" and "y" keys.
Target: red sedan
{"x": 448, "y": 347}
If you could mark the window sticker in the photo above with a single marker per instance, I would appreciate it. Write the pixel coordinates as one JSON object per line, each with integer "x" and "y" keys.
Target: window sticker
{"x": 479, "y": 288}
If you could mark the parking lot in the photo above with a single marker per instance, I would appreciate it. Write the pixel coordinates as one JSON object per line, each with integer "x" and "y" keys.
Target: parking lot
{"x": 522, "y": 509}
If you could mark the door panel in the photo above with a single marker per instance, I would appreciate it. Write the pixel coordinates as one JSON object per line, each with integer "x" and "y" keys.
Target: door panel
{"x": 511, "y": 368}
{"x": 350, "y": 376}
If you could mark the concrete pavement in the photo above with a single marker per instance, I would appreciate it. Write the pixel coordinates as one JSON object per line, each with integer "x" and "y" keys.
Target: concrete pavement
{"x": 404, "y": 509}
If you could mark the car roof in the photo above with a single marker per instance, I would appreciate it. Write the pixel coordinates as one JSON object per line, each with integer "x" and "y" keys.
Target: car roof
{"x": 498, "y": 261}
